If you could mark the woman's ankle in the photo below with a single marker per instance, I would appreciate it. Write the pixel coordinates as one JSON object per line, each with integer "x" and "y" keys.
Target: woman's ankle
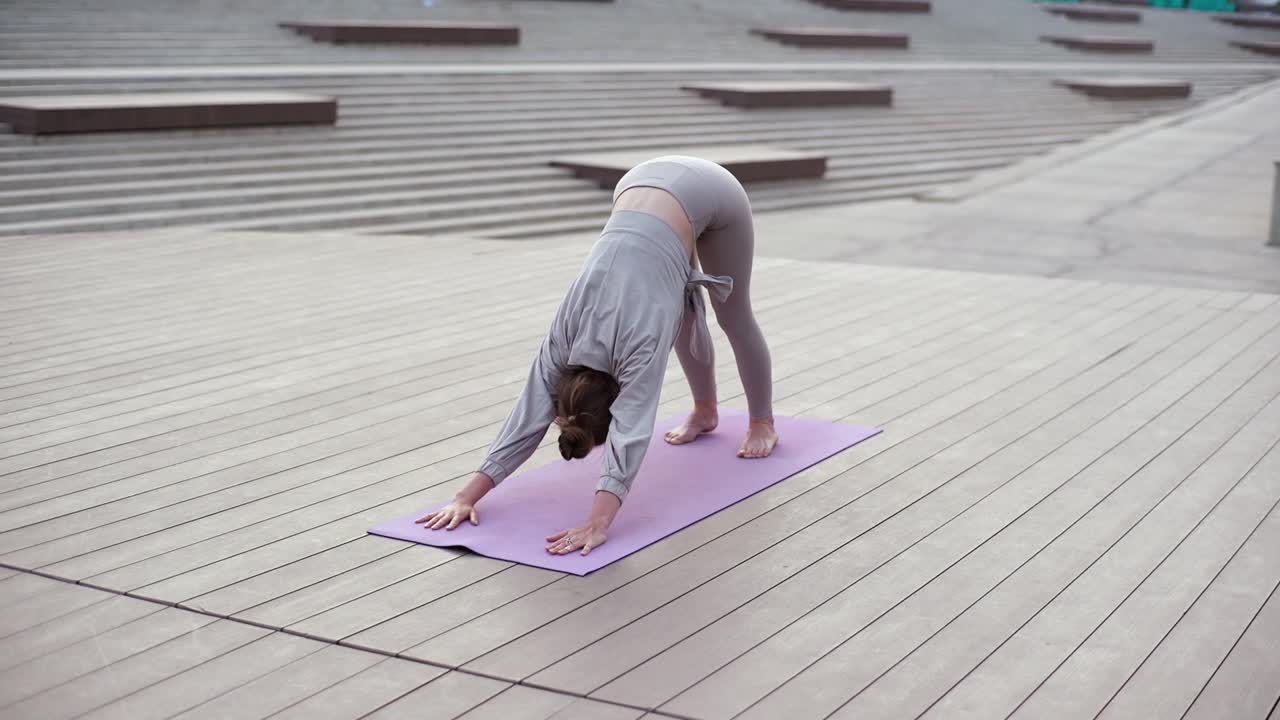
{"x": 706, "y": 408}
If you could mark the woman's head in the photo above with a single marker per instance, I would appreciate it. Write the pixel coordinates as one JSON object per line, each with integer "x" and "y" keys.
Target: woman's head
{"x": 582, "y": 410}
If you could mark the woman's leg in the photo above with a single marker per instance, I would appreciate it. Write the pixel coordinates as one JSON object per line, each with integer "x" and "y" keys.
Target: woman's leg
{"x": 728, "y": 248}
{"x": 701, "y": 374}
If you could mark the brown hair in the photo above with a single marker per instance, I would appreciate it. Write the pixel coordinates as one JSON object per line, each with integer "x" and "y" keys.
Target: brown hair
{"x": 583, "y": 413}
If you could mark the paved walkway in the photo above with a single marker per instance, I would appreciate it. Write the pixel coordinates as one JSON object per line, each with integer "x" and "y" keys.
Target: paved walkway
{"x": 1182, "y": 201}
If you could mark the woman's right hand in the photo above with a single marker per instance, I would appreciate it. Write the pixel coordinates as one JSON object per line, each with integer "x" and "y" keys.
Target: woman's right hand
{"x": 450, "y": 516}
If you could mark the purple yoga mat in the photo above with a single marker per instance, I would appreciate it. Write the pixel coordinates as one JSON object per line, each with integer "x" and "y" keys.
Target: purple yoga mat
{"x": 677, "y": 486}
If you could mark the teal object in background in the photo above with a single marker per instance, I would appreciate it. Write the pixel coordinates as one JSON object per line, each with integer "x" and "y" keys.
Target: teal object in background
{"x": 1213, "y": 5}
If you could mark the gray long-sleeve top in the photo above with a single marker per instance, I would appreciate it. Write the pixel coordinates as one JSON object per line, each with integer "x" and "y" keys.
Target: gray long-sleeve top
{"x": 621, "y": 316}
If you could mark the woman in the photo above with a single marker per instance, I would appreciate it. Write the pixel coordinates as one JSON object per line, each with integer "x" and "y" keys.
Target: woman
{"x": 599, "y": 372}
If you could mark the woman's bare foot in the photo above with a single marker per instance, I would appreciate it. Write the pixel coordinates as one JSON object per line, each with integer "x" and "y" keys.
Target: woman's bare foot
{"x": 703, "y": 419}
{"x": 761, "y": 439}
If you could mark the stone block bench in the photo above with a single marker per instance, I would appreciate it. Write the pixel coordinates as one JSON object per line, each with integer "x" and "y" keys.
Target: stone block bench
{"x": 1094, "y": 14}
{"x": 894, "y": 6}
{"x": 820, "y": 37}
{"x": 1127, "y": 88}
{"x": 765, "y": 93}
{"x": 749, "y": 163}
{"x": 1258, "y": 46}
{"x": 1249, "y": 20}
{"x": 1101, "y": 44}
{"x": 436, "y": 33}
{"x": 156, "y": 111}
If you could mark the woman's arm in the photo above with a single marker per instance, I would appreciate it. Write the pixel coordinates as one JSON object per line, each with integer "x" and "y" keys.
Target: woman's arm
{"x": 527, "y": 423}
{"x": 519, "y": 437}
{"x": 634, "y": 412}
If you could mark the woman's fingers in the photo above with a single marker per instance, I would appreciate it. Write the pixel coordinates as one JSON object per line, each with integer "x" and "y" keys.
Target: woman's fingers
{"x": 475, "y": 517}
{"x": 557, "y": 536}
{"x": 456, "y": 521}
{"x": 425, "y": 518}
{"x": 441, "y": 520}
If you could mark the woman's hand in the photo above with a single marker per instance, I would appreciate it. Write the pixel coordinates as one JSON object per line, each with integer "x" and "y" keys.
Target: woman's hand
{"x": 451, "y": 516}
{"x": 593, "y": 533}
{"x": 583, "y": 538}
{"x": 462, "y": 508}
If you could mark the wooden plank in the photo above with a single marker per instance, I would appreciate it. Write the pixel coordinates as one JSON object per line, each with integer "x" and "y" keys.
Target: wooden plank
{"x": 1101, "y": 44}
{"x": 364, "y": 612}
{"x": 1173, "y": 674}
{"x": 1165, "y": 595}
{"x": 443, "y": 614}
{"x": 770, "y": 93}
{"x": 137, "y": 672}
{"x": 286, "y": 686}
{"x": 311, "y": 510}
{"x": 305, "y": 573}
{"x": 707, "y": 602}
{"x": 767, "y": 665}
{"x": 915, "y": 318}
{"x": 408, "y": 627}
{"x": 831, "y": 574}
{"x": 364, "y": 692}
{"x": 1247, "y": 683}
{"x": 98, "y": 651}
{"x": 403, "y": 353}
{"x": 519, "y": 702}
{"x": 21, "y": 586}
{"x": 39, "y": 115}
{"x": 749, "y": 163}
{"x": 60, "y": 599}
{"x": 1127, "y": 87}
{"x": 826, "y": 37}
{"x": 202, "y": 554}
{"x": 216, "y": 677}
{"x": 963, "y": 643}
{"x": 1095, "y": 14}
{"x": 436, "y": 33}
{"x": 449, "y": 696}
{"x": 513, "y": 621}
{"x": 70, "y": 629}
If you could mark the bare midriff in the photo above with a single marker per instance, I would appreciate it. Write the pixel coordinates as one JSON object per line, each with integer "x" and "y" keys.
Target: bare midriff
{"x": 661, "y": 204}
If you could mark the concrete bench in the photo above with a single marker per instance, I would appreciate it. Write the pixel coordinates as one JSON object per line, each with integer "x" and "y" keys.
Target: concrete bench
{"x": 1258, "y": 46}
{"x": 749, "y": 163}
{"x": 436, "y": 33}
{"x": 819, "y": 37}
{"x": 1130, "y": 88}
{"x": 1101, "y": 44}
{"x": 897, "y": 6}
{"x": 1094, "y": 14}
{"x": 794, "y": 94}
{"x": 1249, "y": 20}
{"x": 154, "y": 111}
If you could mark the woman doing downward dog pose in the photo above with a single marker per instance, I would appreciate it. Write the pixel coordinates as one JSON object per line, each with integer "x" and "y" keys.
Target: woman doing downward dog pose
{"x": 600, "y": 369}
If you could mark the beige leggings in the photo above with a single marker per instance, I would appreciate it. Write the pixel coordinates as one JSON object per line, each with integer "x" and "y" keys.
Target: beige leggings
{"x": 720, "y": 214}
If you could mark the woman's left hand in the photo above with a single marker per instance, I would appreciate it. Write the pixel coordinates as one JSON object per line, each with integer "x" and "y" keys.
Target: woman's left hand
{"x": 583, "y": 538}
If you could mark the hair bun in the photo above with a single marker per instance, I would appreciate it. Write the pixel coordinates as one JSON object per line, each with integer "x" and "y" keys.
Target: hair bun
{"x": 575, "y": 442}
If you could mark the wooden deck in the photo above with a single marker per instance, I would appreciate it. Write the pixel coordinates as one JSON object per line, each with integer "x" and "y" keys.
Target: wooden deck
{"x": 1072, "y": 511}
